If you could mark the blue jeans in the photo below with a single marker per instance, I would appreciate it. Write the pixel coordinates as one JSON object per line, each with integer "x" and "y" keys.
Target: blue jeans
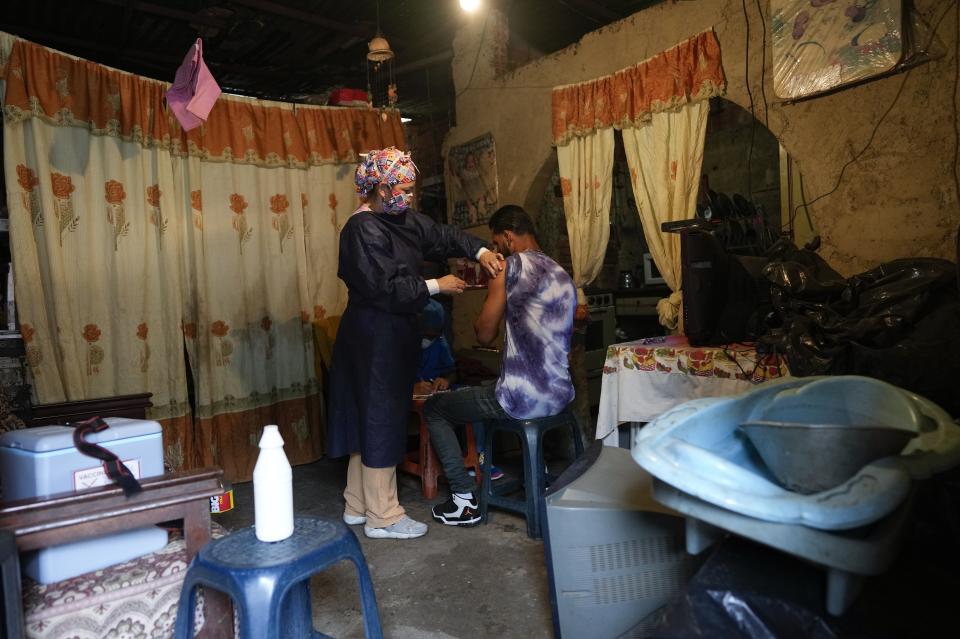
{"x": 447, "y": 412}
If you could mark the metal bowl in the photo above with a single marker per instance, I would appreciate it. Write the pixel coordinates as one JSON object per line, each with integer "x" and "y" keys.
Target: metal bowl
{"x": 809, "y": 458}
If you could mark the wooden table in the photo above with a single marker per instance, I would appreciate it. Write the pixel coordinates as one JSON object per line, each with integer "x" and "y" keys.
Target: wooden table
{"x": 645, "y": 378}
{"x": 64, "y": 517}
{"x": 132, "y": 406}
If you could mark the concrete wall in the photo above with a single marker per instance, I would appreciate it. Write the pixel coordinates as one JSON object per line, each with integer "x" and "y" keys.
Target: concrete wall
{"x": 898, "y": 200}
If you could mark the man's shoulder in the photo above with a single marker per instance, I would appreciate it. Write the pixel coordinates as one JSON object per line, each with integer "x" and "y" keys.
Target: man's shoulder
{"x": 547, "y": 263}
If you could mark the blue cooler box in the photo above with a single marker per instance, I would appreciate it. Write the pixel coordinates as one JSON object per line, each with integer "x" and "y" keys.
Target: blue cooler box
{"x": 42, "y": 461}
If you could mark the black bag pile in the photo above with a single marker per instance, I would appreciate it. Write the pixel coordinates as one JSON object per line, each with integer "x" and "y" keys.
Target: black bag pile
{"x": 899, "y": 322}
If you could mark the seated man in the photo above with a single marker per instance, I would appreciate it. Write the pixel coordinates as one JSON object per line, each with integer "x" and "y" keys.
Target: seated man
{"x": 539, "y": 300}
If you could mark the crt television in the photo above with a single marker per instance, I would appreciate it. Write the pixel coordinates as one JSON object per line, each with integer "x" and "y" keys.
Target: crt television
{"x": 614, "y": 555}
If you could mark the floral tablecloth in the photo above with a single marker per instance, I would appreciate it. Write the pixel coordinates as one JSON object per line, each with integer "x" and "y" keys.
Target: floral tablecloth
{"x": 647, "y": 377}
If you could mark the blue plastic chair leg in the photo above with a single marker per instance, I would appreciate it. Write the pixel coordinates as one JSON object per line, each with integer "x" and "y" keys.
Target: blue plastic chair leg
{"x": 486, "y": 484}
{"x": 255, "y": 621}
{"x": 534, "y": 480}
{"x": 368, "y": 599}
{"x": 295, "y": 612}
{"x": 577, "y": 438}
{"x": 183, "y": 626}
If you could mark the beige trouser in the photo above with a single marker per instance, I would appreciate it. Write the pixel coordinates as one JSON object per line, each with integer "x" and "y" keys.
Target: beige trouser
{"x": 372, "y": 492}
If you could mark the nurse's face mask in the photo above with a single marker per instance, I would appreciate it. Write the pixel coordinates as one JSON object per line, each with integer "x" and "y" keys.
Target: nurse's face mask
{"x": 398, "y": 201}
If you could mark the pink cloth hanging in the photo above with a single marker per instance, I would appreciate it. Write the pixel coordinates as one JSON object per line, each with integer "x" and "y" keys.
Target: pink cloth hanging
{"x": 194, "y": 91}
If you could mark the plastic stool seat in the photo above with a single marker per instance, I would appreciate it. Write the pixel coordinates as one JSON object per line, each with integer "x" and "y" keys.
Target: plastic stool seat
{"x": 531, "y": 432}
{"x": 270, "y": 582}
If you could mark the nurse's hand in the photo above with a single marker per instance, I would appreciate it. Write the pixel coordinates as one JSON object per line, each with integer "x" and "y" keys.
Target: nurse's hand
{"x": 492, "y": 262}
{"x": 451, "y": 284}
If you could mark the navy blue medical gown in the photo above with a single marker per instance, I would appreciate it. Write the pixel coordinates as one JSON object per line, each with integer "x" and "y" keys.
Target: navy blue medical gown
{"x": 377, "y": 350}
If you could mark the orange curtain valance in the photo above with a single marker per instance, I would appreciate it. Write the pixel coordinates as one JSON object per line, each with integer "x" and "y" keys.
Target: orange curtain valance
{"x": 688, "y": 72}
{"x": 72, "y": 92}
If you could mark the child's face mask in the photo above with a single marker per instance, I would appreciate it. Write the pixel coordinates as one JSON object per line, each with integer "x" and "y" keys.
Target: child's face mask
{"x": 426, "y": 342}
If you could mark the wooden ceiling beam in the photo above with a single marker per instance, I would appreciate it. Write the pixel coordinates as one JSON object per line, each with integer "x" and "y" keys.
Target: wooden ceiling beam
{"x": 54, "y": 40}
{"x": 363, "y": 29}
{"x": 167, "y": 12}
{"x": 333, "y": 45}
{"x": 151, "y": 59}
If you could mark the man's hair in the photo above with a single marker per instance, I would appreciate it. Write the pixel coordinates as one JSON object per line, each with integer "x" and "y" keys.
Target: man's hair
{"x": 512, "y": 218}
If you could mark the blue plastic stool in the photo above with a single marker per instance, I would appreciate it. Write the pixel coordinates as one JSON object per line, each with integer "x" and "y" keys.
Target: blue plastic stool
{"x": 531, "y": 432}
{"x": 270, "y": 582}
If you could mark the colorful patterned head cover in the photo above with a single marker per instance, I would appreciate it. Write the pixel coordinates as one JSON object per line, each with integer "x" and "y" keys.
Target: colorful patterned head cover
{"x": 389, "y": 166}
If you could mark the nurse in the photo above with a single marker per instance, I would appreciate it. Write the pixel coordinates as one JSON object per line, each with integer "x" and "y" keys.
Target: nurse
{"x": 377, "y": 350}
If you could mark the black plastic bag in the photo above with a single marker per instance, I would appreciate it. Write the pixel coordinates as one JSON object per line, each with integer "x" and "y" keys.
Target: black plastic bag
{"x": 897, "y": 322}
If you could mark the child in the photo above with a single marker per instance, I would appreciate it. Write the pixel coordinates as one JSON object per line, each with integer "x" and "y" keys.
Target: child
{"x": 437, "y": 367}
{"x": 436, "y": 361}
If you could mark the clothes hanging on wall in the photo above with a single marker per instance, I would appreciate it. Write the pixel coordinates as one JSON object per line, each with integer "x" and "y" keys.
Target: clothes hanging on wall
{"x": 194, "y": 91}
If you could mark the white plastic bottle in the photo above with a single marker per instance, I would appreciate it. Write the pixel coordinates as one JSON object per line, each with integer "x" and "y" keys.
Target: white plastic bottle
{"x": 272, "y": 489}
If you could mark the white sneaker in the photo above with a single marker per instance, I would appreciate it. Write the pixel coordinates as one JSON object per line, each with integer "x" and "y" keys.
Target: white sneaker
{"x": 404, "y": 528}
{"x": 353, "y": 520}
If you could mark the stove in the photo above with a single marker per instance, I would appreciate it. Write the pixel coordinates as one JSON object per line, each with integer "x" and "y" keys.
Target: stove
{"x": 600, "y": 335}
{"x": 599, "y": 300}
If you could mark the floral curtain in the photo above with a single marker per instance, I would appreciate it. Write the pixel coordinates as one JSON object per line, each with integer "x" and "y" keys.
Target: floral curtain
{"x": 689, "y": 72}
{"x": 661, "y": 106}
{"x": 665, "y": 158}
{"x": 261, "y": 257}
{"x": 586, "y": 181}
{"x": 142, "y": 252}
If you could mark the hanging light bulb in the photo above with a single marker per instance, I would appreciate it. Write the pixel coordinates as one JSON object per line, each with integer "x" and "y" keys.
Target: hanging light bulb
{"x": 469, "y": 5}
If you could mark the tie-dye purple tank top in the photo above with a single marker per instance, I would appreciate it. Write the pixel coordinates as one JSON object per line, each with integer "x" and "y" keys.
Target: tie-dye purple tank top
{"x": 534, "y": 374}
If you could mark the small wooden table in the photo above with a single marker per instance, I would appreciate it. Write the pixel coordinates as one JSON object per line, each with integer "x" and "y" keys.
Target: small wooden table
{"x": 70, "y": 516}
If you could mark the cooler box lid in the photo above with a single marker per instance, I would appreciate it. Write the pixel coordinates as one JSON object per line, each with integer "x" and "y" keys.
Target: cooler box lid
{"x": 43, "y": 439}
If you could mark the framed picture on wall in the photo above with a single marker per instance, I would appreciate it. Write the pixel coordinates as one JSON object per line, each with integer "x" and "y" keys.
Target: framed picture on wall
{"x": 471, "y": 176}
{"x": 820, "y": 45}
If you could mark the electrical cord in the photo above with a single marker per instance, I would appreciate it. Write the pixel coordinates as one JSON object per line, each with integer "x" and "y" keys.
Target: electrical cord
{"x": 763, "y": 66}
{"x": 753, "y": 115}
{"x": 476, "y": 57}
{"x": 883, "y": 117}
{"x": 956, "y": 124}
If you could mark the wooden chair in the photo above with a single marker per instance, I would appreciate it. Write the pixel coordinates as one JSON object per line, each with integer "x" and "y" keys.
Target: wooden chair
{"x": 423, "y": 461}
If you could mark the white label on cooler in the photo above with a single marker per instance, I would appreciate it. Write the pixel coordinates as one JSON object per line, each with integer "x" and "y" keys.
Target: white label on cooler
{"x": 96, "y": 476}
